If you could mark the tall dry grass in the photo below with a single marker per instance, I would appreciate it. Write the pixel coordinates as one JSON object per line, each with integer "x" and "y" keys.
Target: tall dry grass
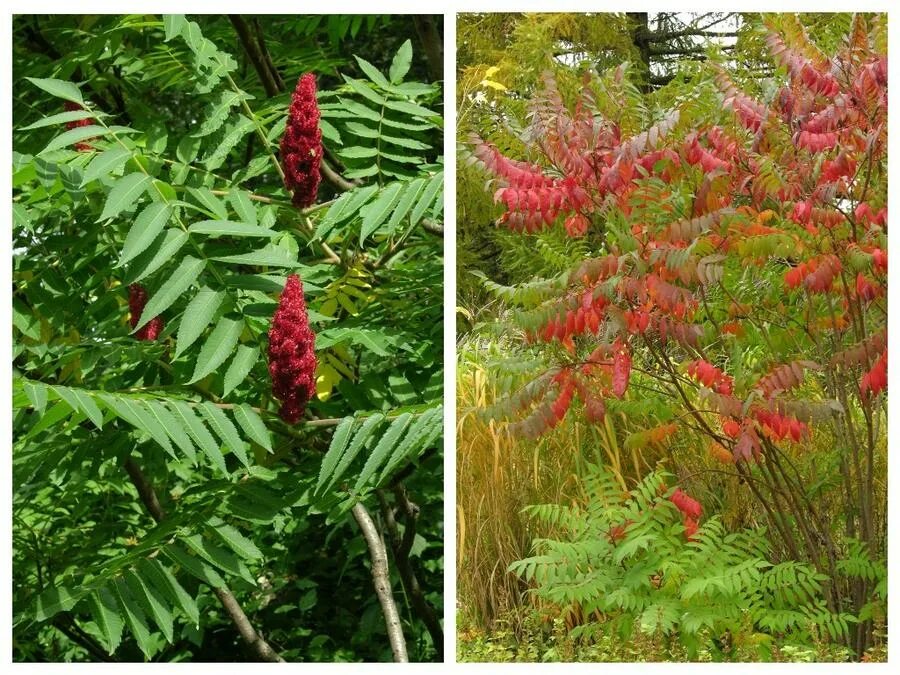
{"x": 496, "y": 477}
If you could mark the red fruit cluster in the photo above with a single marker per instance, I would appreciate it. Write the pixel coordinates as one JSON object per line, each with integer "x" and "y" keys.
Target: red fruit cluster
{"x": 301, "y": 145}
{"x": 691, "y": 510}
{"x": 875, "y": 381}
{"x": 292, "y": 356}
{"x": 71, "y": 106}
{"x": 137, "y": 300}
{"x": 710, "y": 376}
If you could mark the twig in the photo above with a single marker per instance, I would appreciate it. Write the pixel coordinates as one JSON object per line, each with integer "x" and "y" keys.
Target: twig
{"x": 382, "y": 581}
{"x": 79, "y": 637}
{"x": 253, "y": 639}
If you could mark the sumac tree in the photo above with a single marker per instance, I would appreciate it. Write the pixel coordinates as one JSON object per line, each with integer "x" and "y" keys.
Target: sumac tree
{"x": 738, "y": 275}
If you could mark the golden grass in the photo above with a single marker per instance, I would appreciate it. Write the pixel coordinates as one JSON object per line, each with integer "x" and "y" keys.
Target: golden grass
{"x": 496, "y": 477}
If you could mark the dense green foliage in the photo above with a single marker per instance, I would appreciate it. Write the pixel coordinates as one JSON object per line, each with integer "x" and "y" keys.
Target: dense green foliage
{"x": 698, "y": 273}
{"x": 160, "y": 504}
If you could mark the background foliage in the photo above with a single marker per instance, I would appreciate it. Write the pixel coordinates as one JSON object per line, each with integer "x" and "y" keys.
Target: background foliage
{"x": 179, "y": 189}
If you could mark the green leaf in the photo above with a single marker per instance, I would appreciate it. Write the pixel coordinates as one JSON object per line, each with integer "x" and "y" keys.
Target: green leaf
{"x": 105, "y": 612}
{"x": 229, "y": 228}
{"x": 147, "y": 226}
{"x": 272, "y": 256}
{"x": 224, "y": 560}
{"x": 370, "y": 339}
{"x": 161, "y": 251}
{"x": 61, "y": 118}
{"x": 428, "y": 195}
{"x": 335, "y": 450}
{"x": 105, "y": 163}
{"x": 346, "y": 205}
{"x": 410, "y": 194}
{"x": 135, "y": 617}
{"x": 180, "y": 280}
{"x": 240, "y": 367}
{"x": 59, "y": 88}
{"x": 253, "y": 425}
{"x": 237, "y": 542}
{"x": 224, "y": 428}
{"x": 197, "y": 315}
{"x": 362, "y": 435}
{"x": 81, "y": 401}
{"x": 174, "y": 428}
{"x": 125, "y": 192}
{"x": 387, "y": 443}
{"x": 218, "y": 347}
{"x": 72, "y": 136}
{"x": 53, "y": 601}
{"x": 372, "y": 73}
{"x": 198, "y": 431}
{"x": 173, "y": 24}
{"x": 37, "y": 394}
{"x": 376, "y": 212}
{"x": 152, "y": 602}
{"x": 209, "y": 201}
{"x": 411, "y": 109}
{"x": 401, "y": 62}
{"x": 160, "y": 577}
{"x": 358, "y": 152}
{"x": 194, "y": 566}
{"x": 243, "y": 206}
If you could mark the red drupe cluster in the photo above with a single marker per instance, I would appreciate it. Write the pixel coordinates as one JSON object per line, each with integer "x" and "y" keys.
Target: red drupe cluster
{"x": 301, "y": 145}
{"x": 292, "y": 356}
{"x": 137, "y": 300}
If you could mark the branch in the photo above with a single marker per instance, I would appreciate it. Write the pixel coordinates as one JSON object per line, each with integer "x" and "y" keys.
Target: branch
{"x": 226, "y": 597}
{"x": 401, "y": 547}
{"x": 245, "y": 628}
{"x": 72, "y": 631}
{"x": 381, "y": 579}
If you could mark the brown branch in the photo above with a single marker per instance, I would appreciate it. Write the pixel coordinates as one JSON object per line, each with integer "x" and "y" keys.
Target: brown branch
{"x": 401, "y": 547}
{"x": 382, "y": 581}
{"x": 245, "y": 628}
{"x": 432, "y": 45}
{"x": 253, "y": 639}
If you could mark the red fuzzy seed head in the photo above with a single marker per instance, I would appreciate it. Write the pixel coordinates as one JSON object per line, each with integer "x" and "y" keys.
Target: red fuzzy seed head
{"x": 137, "y": 299}
{"x": 301, "y": 145}
{"x": 292, "y": 356}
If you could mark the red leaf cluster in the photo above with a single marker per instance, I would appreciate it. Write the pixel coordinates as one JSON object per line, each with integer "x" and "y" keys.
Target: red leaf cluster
{"x": 711, "y": 377}
{"x": 816, "y": 274}
{"x": 780, "y": 427}
{"x": 875, "y": 380}
{"x": 691, "y": 510}
{"x": 301, "y": 145}
{"x": 137, "y": 300}
{"x": 621, "y": 369}
{"x": 292, "y": 356}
